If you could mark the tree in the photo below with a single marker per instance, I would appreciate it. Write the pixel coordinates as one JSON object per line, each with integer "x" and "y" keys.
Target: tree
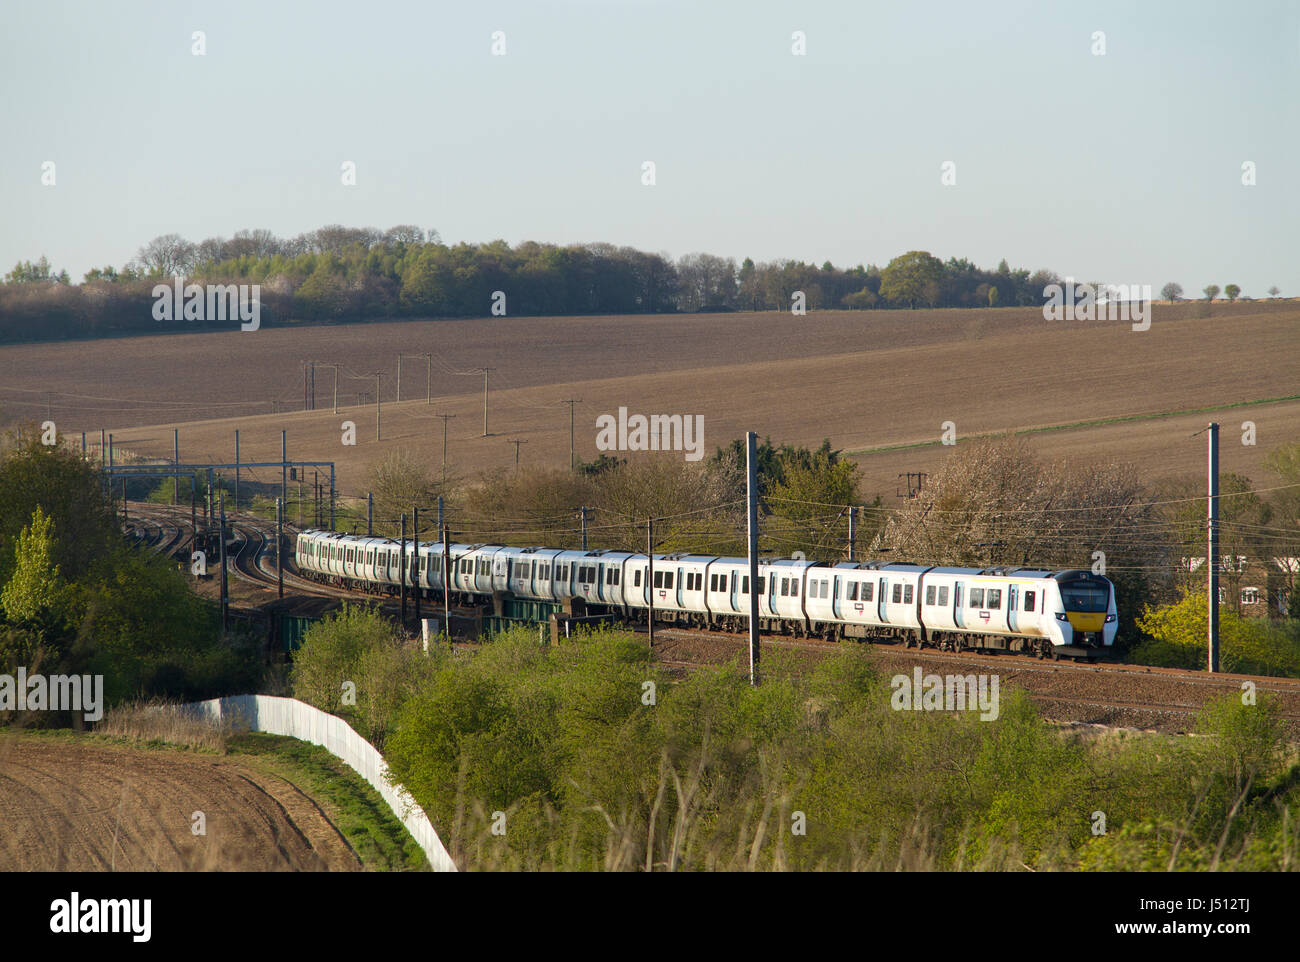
{"x": 32, "y": 594}
{"x": 1273, "y": 291}
{"x": 859, "y": 299}
{"x": 993, "y": 295}
{"x": 404, "y": 234}
{"x": 1172, "y": 291}
{"x": 68, "y": 490}
{"x": 1211, "y": 292}
{"x": 399, "y": 483}
{"x": 167, "y": 255}
{"x": 29, "y": 272}
{"x": 1232, "y": 291}
{"x": 907, "y": 278}
{"x": 706, "y": 282}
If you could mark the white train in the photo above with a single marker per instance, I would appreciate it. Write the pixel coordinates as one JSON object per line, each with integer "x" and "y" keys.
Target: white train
{"x": 1048, "y": 613}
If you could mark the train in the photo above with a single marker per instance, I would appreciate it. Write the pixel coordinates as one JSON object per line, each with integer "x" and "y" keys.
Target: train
{"x": 1046, "y": 613}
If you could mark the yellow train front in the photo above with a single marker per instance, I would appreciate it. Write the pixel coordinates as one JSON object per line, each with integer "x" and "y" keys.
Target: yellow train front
{"x": 1084, "y": 620}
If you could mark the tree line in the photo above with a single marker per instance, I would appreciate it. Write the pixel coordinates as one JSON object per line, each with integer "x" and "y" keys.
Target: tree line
{"x": 341, "y": 274}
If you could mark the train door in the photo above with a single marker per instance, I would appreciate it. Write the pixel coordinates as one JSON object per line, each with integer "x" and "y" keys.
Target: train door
{"x": 957, "y": 604}
{"x": 835, "y": 598}
{"x": 600, "y": 582}
{"x": 679, "y": 587}
{"x": 881, "y": 599}
{"x": 1013, "y": 603}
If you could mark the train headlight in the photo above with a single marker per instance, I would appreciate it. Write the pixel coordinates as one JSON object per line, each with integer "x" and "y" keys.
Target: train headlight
{"x": 1062, "y": 616}
{"x": 1110, "y": 618}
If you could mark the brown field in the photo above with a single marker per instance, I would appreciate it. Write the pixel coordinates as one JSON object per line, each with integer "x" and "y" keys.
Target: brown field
{"x": 865, "y": 380}
{"x": 73, "y": 805}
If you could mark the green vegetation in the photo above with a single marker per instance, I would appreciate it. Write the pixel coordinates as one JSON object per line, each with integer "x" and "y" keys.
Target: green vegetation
{"x": 353, "y": 663}
{"x": 589, "y": 756}
{"x": 340, "y": 273}
{"x": 75, "y": 598}
{"x": 1250, "y": 646}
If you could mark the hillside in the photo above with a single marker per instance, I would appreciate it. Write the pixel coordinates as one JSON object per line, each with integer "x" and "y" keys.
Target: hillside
{"x": 879, "y": 384}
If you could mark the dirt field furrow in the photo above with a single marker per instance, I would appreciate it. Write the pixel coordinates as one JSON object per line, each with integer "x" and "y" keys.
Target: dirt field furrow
{"x": 73, "y": 805}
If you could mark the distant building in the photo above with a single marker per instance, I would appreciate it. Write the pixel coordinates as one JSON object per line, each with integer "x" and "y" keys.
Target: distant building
{"x": 1255, "y": 588}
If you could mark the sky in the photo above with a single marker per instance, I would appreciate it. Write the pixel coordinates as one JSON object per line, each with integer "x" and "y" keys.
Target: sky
{"x": 1125, "y": 167}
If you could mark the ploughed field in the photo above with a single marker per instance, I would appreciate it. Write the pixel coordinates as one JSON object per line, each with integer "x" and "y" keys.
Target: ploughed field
{"x": 878, "y": 384}
{"x": 76, "y": 805}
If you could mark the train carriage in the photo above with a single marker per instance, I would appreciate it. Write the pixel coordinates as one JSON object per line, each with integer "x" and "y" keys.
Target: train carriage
{"x": 1018, "y": 609}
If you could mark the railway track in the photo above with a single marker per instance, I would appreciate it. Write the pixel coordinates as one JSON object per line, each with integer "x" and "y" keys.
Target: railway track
{"x": 158, "y": 532}
{"x": 1002, "y": 660}
{"x": 1111, "y": 695}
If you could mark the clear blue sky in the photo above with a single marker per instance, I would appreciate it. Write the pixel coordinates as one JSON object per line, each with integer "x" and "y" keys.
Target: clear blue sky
{"x": 1124, "y": 168}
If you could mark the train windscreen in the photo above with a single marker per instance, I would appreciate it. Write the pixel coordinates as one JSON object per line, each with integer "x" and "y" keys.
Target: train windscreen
{"x": 1085, "y": 597}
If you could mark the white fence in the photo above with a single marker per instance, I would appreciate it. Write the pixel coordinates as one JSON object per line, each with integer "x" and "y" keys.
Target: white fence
{"x": 288, "y": 716}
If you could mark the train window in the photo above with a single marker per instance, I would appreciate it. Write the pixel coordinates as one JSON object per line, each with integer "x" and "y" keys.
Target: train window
{"x": 868, "y": 590}
{"x": 994, "y": 599}
{"x": 744, "y": 585}
{"x": 713, "y": 581}
{"x": 977, "y": 598}
{"x": 1029, "y": 601}
{"x": 929, "y": 596}
{"x": 618, "y": 576}
{"x": 785, "y": 587}
{"x": 826, "y": 588}
{"x": 943, "y": 594}
{"x": 636, "y": 578}
{"x": 898, "y": 594}
{"x": 907, "y": 594}
{"x": 659, "y": 579}
{"x": 853, "y": 591}
{"x": 668, "y": 579}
